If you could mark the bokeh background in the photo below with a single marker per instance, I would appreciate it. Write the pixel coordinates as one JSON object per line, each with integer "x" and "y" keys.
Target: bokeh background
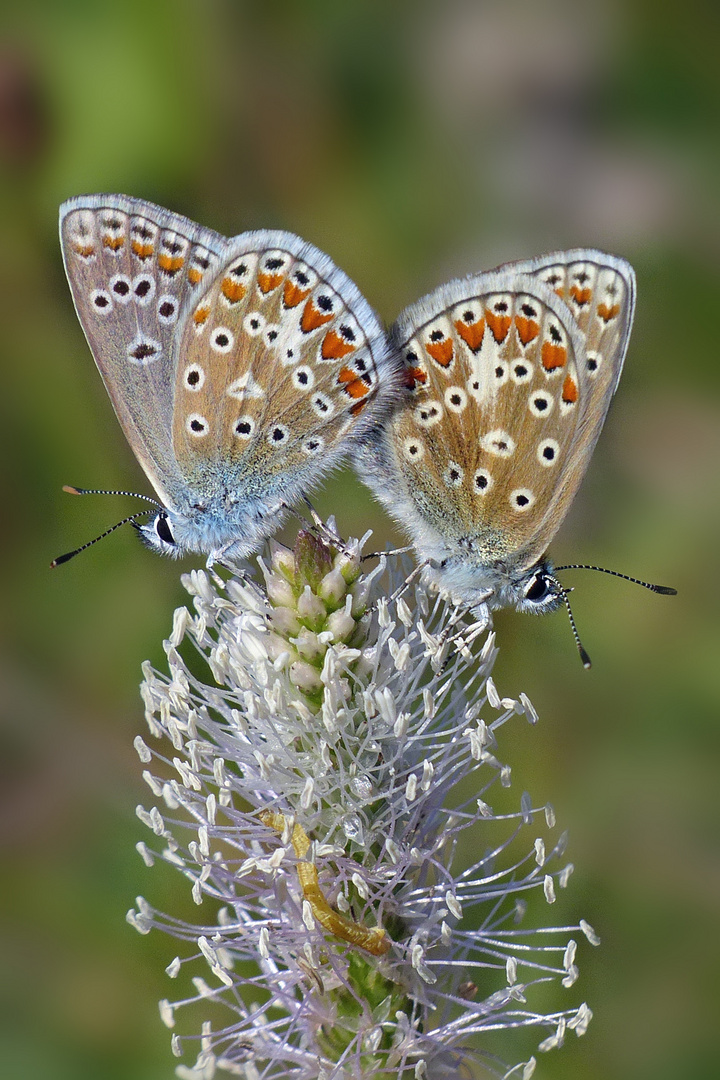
{"x": 413, "y": 141}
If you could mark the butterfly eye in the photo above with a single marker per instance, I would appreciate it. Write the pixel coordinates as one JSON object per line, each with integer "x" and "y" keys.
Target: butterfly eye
{"x": 538, "y": 589}
{"x": 162, "y": 528}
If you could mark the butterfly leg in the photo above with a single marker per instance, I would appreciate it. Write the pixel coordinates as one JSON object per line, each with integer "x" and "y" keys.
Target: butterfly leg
{"x": 220, "y": 556}
{"x": 325, "y": 529}
{"x": 390, "y": 551}
{"x": 465, "y": 637}
{"x": 412, "y": 576}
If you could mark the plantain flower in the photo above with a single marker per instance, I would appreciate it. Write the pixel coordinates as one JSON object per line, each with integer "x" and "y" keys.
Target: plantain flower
{"x": 326, "y": 767}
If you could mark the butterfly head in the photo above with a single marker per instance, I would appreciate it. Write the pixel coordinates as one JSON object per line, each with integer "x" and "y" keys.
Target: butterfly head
{"x": 534, "y": 592}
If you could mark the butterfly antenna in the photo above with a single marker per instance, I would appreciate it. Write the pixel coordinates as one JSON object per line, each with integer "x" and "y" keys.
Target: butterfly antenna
{"x": 665, "y": 590}
{"x": 71, "y": 554}
{"x": 586, "y": 661}
{"x": 72, "y": 490}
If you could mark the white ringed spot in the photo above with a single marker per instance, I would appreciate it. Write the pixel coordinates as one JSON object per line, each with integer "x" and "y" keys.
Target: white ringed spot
{"x": 482, "y": 481}
{"x": 194, "y": 377}
{"x": 453, "y": 475}
{"x": 196, "y": 425}
{"x": 455, "y": 399}
{"x": 121, "y": 288}
{"x": 594, "y": 360}
{"x": 475, "y": 388}
{"x": 278, "y": 435}
{"x": 254, "y": 323}
{"x": 501, "y": 372}
{"x": 521, "y": 499}
{"x": 272, "y": 333}
{"x": 303, "y": 377}
{"x": 143, "y": 351}
{"x": 292, "y": 352}
{"x": 428, "y": 414}
{"x": 313, "y": 445}
{"x": 101, "y": 300}
{"x": 413, "y": 450}
{"x": 167, "y": 309}
{"x": 222, "y": 339}
{"x": 143, "y": 287}
{"x": 244, "y": 427}
{"x": 322, "y": 405}
{"x": 498, "y": 442}
{"x": 521, "y": 371}
{"x": 540, "y": 403}
{"x": 547, "y": 452}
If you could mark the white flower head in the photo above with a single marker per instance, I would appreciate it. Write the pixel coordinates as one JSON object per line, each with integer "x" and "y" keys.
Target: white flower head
{"x": 317, "y": 729}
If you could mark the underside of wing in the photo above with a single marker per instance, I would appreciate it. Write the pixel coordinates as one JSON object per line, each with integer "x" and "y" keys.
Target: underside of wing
{"x": 484, "y": 442}
{"x": 133, "y": 268}
{"x": 599, "y": 290}
{"x": 281, "y": 365}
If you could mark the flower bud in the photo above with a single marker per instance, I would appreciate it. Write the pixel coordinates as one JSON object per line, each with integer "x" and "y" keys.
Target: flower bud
{"x": 333, "y": 588}
{"x": 311, "y": 609}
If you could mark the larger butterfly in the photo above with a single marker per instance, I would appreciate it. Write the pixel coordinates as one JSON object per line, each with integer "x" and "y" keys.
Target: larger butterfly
{"x": 508, "y": 379}
{"x": 240, "y": 369}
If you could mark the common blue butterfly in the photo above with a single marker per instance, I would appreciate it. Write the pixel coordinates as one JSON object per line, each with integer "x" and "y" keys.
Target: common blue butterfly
{"x": 240, "y": 369}
{"x": 508, "y": 379}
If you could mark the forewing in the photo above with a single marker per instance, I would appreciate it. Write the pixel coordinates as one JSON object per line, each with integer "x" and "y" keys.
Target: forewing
{"x": 485, "y": 442}
{"x": 133, "y": 268}
{"x": 279, "y": 360}
{"x": 599, "y": 290}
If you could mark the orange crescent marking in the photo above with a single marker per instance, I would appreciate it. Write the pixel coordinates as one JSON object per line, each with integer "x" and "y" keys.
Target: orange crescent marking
{"x": 312, "y": 317}
{"x": 607, "y": 313}
{"x": 372, "y": 939}
{"x": 471, "y": 333}
{"x": 113, "y": 242}
{"x": 354, "y": 385}
{"x": 359, "y": 406}
{"x": 569, "y": 390}
{"x": 171, "y": 263}
{"x": 232, "y": 290}
{"x": 293, "y": 294}
{"x": 200, "y": 316}
{"x": 580, "y": 296}
{"x": 553, "y": 356}
{"x": 527, "y": 329}
{"x": 194, "y": 275}
{"x": 334, "y": 347}
{"x": 499, "y": 325}
{"x": 268, "y": 282}
{"x": 441, "y": 351}
{"x": 413, "y": 376}
{"x": 143, "y": 251}
{"x": 86, "y": 251}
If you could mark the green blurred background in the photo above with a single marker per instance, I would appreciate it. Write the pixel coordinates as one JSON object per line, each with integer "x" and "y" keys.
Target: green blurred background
{"x": 413, "y": 142}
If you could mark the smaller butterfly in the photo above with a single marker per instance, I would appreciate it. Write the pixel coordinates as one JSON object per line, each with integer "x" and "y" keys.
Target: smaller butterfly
{"x": 241, "y": 369}
{"x": 508, "y": 379}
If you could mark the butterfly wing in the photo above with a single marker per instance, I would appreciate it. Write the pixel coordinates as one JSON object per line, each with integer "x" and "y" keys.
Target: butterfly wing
{"x": 506, "y": 396}
{"x": 133, "y": 267}
{"x": 279, "y": 360}
{"x": 599, "y": 290}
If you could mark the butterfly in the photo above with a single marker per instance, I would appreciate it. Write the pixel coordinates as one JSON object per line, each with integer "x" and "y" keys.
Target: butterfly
{"x": 241, "y": 370}
{"x": 508, "y": 379}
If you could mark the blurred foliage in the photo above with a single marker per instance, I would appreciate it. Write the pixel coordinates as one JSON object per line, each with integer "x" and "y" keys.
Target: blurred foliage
{"x": 413, "y": 142}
